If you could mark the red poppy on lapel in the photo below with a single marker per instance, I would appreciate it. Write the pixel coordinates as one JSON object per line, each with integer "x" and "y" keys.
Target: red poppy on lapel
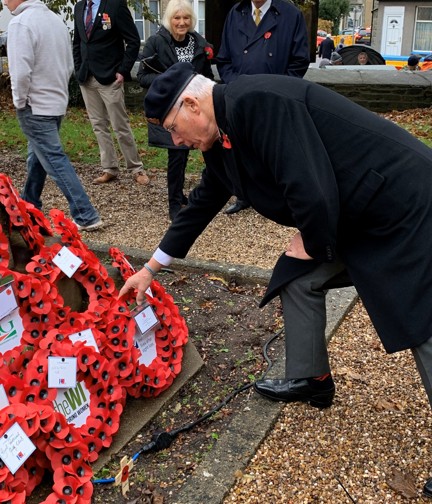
{"x": 209, "y": 52}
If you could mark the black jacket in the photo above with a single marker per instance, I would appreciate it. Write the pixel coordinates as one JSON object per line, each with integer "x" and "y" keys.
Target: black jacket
{"x": 366, "y": 198}
{"x": 157, "y": 56}
{"x": 112, "y": 47}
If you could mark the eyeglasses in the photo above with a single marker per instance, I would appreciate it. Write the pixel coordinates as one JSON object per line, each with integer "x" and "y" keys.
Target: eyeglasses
{"x": 171, "y": 127}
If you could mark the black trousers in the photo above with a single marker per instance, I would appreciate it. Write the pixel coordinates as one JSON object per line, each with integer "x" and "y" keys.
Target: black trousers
{"x": 177, "y": 161}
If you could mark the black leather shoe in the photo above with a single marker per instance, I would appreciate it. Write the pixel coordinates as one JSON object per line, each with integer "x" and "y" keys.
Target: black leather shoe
{"x": 427, "y": 489}
{"x": 296, "y": 390}
{"x": 237, "y": 207}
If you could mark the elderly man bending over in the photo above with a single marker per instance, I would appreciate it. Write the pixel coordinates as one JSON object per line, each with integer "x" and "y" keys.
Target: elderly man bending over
{"x": 365, "y": 209}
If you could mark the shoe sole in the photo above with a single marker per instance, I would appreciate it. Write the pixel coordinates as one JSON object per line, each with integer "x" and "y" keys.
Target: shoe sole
{"x": 100, "y": 182}
{"x": 317, "y": 401}
{"x": 93, "y": 228}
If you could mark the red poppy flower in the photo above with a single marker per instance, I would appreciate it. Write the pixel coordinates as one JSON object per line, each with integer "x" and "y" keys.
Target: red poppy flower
{"x": 85, "y": 492}
{"x": 209, "y": 52}
{"x": 20, "y": 359}
{"x": 13, "y": 386}
{"x": 39, "y": 218}
{"x": 4, "y": 249}
{"x": 267, "y": 35}
{"x": 60, "y": 431}
{"x": 120, "y": 261}
{"x": 34, "y": 470}
{"x": 64, "y": 227}
{"x": 47, "y": 417}
{"x": 65, "y": 486}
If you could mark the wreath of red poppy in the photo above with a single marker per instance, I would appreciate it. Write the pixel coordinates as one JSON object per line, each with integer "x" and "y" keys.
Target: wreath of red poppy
{"x": 30, "y": 222}
{"x": 58, "y": 446}
{"x": 39, "y": 306}
{"x": 170, "y": 337}
{"x": 24, "y": 375}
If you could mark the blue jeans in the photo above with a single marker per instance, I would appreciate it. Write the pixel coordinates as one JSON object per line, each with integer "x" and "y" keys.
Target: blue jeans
{"x": 46, "y": 157}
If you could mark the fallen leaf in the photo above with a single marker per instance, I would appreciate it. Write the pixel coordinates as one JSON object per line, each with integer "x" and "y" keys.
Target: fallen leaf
{"x": 388, "y": 405}
{"x": 403, "y": 483}
{"x": 218, "y": 279}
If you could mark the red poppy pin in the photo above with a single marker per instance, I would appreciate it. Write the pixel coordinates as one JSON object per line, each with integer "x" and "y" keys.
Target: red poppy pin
{"x": 224, "y": 140}
{"x": 209, "y": 52}
{"x": 267, "y": 35}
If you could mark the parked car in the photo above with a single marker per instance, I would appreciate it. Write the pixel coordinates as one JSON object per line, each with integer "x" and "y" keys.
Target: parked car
{"x": 347, "y": 31}
{"x": 321, "y": 35}
{"x": 363, "y": 36}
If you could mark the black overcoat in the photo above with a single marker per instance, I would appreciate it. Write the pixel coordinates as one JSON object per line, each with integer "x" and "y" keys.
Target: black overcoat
{"x": 356, "y": 186}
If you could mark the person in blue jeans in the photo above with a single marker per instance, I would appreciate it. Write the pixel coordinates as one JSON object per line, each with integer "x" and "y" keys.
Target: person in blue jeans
{"x": 37, "y": 37}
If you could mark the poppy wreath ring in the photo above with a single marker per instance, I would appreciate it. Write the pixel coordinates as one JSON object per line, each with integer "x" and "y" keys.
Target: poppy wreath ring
{"x": 107, "y": 316}
{"x": 24, "y": 217}
{"x": 95, "y": 404}
{"x": 169, "y": 338}
{"x": 58, "y": 447}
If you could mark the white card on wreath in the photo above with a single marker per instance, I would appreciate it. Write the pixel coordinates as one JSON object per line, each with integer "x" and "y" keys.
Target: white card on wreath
{"x": 11, "y": 329}
{"x": 4, "y": 401}
{"x": 67, "y": 261}
{"x": 8, "y": 301}
{"x": 86, "y": 336}
{"x": 145, "y": 318}
{"x": 15, "y": 448}
{"x": 62, "y": 372}
{"x": 146, "y": 344}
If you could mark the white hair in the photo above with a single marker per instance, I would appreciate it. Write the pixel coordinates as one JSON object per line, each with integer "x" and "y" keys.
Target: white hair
{"x": 176, "y": 6}
{"x": 199, "y": 86}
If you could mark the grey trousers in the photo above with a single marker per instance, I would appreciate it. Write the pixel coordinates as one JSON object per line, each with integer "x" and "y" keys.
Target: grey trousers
{"x": 423, "y": 359}
{"x": 304, "y": 310}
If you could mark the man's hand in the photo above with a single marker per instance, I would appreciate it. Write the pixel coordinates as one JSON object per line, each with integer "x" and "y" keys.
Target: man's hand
{"x": 296, "y": 248}
{"x": 119, "y": 78}
{"x": 139, "y": 282}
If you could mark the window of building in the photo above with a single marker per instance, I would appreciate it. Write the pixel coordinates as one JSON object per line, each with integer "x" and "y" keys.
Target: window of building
{"x": 199, "y": 8}
{"x": 423, "y": 29}
{"x": 145, "y": 28}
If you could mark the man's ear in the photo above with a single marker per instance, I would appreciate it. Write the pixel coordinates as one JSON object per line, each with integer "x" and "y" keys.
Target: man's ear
{"x": 192, "y": 104}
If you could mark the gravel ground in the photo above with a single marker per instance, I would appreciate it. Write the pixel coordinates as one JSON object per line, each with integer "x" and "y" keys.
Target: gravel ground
{"x": 375, "y": 440}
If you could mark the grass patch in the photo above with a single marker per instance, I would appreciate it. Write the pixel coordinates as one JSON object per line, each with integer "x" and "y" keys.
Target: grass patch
{"x": 80, "y": 142}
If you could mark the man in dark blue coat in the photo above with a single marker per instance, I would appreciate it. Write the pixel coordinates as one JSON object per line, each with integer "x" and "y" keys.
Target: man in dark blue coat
{"x": 326, "y": 47}
{"x": 262, "y": 37}
{"x": 366, "y": 207}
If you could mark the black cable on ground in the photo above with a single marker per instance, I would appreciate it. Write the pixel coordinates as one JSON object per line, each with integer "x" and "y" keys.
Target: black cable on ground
{"x": 162, "y": 439}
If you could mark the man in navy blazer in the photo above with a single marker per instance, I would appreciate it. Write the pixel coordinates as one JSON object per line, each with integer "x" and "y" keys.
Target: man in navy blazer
{"x": 105, "y": 47}
{"x": 262, "y": 37}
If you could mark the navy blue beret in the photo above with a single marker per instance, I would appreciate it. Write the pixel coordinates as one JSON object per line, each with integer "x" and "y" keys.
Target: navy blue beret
{"x": 165, "y": 90}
